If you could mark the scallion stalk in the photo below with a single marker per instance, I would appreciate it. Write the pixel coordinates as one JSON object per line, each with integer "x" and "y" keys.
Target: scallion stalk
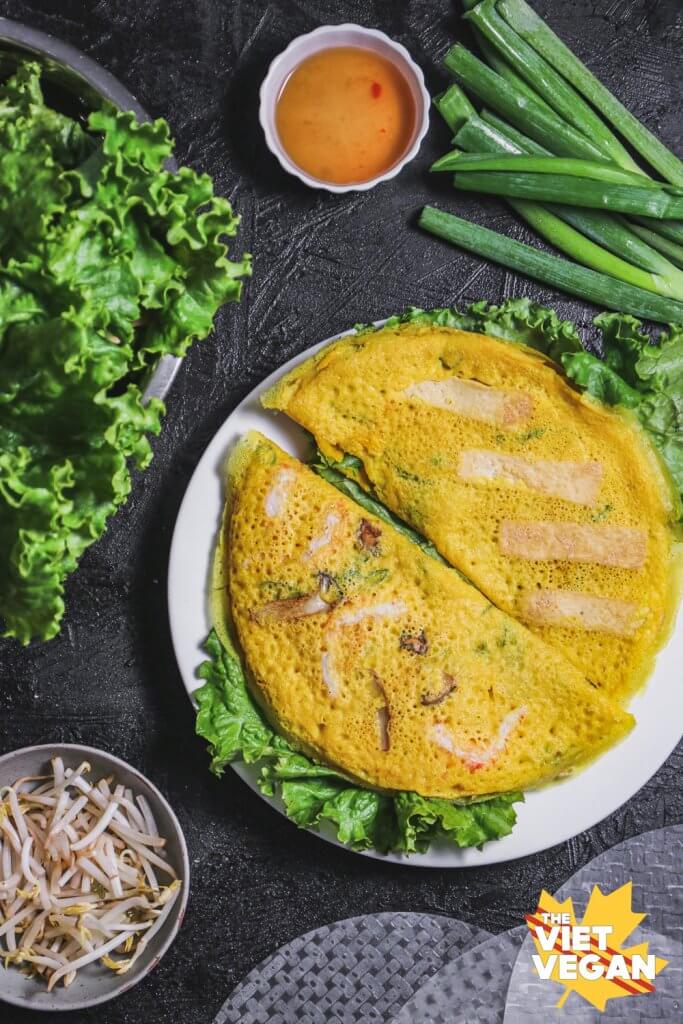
{"x": 553, "y": 270}
{"x": 672, "y": 250}
{"x": 620, "y": 236}
{"x": 495, "y": 61}
{"x": 524, "y": 20}
{"x": 611, "y": 232}
{"x": 523, "y": 143}
{"x": 595, "y": 170}
{"x": 543, "y": 125}
{"x": 571, "y": 242}
{"x": 633, "y": 199}
{"x": 546, "y": 82}
{"x": 671, "y": 229}
{"x": 454, "y": 107}
{"x": 477, "y": 135}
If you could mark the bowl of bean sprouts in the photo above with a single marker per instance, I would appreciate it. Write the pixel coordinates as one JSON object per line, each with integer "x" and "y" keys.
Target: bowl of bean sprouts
{"x": 94, "y": 877}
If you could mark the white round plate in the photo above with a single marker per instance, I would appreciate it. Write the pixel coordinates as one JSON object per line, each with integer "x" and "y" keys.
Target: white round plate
{"x": 550, "y": 815}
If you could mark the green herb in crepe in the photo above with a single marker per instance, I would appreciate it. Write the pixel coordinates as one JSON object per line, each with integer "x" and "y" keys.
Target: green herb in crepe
{"x": 235, "y": 729}
{"x": 107, "y": 262}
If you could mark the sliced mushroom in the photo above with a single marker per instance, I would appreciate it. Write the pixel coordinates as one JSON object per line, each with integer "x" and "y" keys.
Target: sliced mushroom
{"x": 291, "y": 608}
{"x": 368, "y": 536}
{"x": 383, "y": 718}
{"x": 379, "y": 685}
{"x": 449, "y": 684}
{"x": 416, "y": 643}
{"x": 383, "y": 714}
{"x": 325, "y": 584}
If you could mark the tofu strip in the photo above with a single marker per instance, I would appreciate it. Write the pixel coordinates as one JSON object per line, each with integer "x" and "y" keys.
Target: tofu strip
{"x": 475, "y": 401}
{"x": 580, "y": 611}
{"x": 574, "y": 481}
{"x": 623, "y": 546}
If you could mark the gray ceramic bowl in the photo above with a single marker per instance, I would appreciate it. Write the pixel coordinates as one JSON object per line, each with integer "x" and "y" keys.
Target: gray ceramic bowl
{"x": 95, "y": 984}
{"x": 77, "y": 85}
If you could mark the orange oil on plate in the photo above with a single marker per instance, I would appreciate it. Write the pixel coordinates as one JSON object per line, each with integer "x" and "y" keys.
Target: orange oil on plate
{"x": 345, "y": 115}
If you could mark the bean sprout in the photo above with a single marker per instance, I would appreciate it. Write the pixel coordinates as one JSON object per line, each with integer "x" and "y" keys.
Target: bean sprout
{"x": 77, "y": 882}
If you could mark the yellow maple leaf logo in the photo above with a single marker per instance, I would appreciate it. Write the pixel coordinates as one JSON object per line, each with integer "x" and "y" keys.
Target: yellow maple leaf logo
{"x": 605, "y": 968}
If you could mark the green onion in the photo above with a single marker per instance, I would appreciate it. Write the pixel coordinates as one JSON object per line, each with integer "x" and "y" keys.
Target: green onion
{"x": 563, "y": 188}
{"x": 454, "y": 107}
{"x": 544, "y": 80}
{"x": 620, "y": 236}
{"x": 611, "y": 232}
{"x": 523, "y": 143}
{"x": 501, "y": 158}
{"x": 592, "y": 169}
{"x": 529, "y": 116}
{"x": 671, "y": 230}
{"x": 672, "y": 250}
{"x": 524, "y": 20}
{"x": 615, "y": 233}
{"x": 575, "y": 244}
{"x": 494, "y": 60}
{"x": 476, "y": 135}
{"x": 569, "y": 277}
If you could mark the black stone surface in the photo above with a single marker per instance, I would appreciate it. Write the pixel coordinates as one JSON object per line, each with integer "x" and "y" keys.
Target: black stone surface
{"x": 321, "y": 264}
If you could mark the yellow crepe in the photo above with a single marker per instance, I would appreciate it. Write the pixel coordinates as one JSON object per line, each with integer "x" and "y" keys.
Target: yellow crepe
{"x": 381, "y": 661}
{"x": 553, "y": 505}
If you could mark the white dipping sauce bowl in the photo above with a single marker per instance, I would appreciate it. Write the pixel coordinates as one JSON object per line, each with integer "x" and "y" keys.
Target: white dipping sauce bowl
{"x": 324, "y": 38}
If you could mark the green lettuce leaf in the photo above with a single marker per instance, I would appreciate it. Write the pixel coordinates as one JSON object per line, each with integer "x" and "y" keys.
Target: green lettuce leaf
{"x": 235, "y": 728}
{"x": 421, "y": 820}
{"x": 519, "y": 320}
{"x": 107, "y": 261}
{"x": 641, "y": 376}
{"x": 227, "y": 716}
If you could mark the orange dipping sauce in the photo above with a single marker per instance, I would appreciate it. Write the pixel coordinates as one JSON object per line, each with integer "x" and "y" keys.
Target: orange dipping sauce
{"x": 345, "y": 115}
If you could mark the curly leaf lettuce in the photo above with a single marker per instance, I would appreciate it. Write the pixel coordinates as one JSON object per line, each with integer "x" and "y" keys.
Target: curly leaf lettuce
{"x": 107, "y": 261}
{"x": 518, "y": 320}
{"x": 234, "y": 727}
{"x": 641, "y": 376}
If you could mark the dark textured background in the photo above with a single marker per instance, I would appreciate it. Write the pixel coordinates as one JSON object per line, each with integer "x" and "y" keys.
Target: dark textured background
{"x": 321, "y": 264}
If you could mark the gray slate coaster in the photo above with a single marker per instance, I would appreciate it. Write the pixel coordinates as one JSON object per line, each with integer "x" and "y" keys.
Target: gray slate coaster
{"x": 358, "y": 971}
{"x": 471, "y": 989}
{"x": 654, "y": 862}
